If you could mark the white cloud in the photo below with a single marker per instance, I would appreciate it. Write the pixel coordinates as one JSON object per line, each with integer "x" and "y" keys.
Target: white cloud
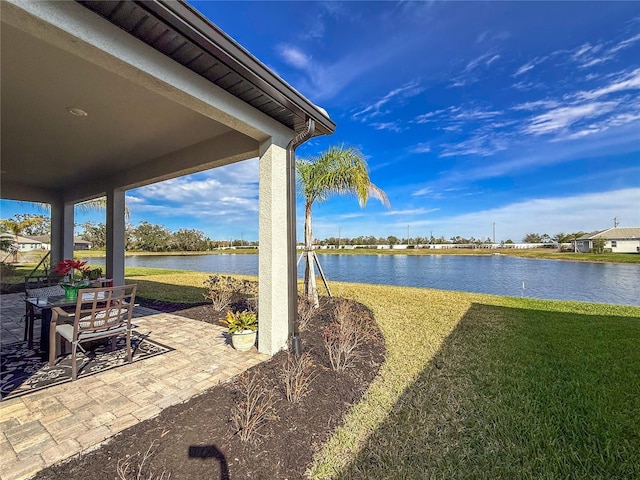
{"x": 587, "y": 55}
{"x": 534, "y": 105}
{"x": 596, "y": 61}
{"x": 561, "y": 118}
{"x": 472, "y": 71}
{"x": 230, "y": 190}
{"x": 482, "y": 144}
{"x": 526, "y": 86}
{"x": 625, "y": 43}
{"x": 624, "y": 81}
{"x": 421, "y": 148}
{"x": 423, "y": 192}
{"x": 391, "y": 126}
{"x": 415, "y": 211}
{"x": 609, "y": 142}
{"x": 582, "y": 50}
{"x": 485, "y": 59}
{"x": 474, "y": 114}
{"x": 587, "y": 212}
{"x": 429, "y": 116}
{"x": 294, "y": 56}
{"x": 408, "y": 90}
{"x": 523, "y": 69}
{"x": 456, "y": 115}
{"x": 132, "y": 199}
{"x": 492, "y": 59}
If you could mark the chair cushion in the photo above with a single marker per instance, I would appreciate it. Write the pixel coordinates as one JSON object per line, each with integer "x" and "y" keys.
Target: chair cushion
{"x": 52, "y": 291}
{"x": 66, "y": 330}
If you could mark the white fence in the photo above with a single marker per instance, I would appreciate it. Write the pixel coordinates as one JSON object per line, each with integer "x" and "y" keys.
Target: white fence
{"x": 444, "y": 246}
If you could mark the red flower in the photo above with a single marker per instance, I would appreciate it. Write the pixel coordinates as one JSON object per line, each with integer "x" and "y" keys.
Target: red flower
{"x": 68, "y": 265}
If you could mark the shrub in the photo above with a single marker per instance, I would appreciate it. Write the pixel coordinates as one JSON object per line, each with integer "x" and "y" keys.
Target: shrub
{"x": 255, "y": 408}
{"x": 343, "y": 336}
{"x": 7, "y": 270}
{"x": 128, "y": 471}
{"x": 305, "y": 313}
{"x": 221, "y": 290}
{"x": 297, "y": 376}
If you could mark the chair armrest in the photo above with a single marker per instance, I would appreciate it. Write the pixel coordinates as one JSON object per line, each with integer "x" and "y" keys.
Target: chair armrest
{"x": 59, "y": 312}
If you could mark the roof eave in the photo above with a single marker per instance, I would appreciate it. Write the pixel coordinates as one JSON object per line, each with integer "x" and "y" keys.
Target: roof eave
{"x": 193, "y": 25}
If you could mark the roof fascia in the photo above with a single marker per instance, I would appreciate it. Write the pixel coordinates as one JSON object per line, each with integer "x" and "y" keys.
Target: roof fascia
{"x": 194, "y": 26}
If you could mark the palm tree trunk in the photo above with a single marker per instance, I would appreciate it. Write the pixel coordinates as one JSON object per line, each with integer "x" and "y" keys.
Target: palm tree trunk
{"x": 310, "y": 289}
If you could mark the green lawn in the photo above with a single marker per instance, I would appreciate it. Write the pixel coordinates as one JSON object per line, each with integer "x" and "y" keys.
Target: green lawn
{"x": 481, "y": 386}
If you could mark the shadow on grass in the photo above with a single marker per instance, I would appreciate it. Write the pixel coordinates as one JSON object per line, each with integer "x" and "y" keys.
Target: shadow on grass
{"x": 185, "y": 295}
{"x": 517, "y": 393}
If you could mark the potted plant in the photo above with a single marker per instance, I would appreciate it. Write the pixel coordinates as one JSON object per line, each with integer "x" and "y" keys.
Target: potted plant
{"x": 68, "y": 269}
{"x": 92, "y": 274}
{"x": 243, "y": 328}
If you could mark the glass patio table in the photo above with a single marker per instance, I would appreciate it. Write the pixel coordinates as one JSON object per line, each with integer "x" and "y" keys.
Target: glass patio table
{"x": 45, "y": 304}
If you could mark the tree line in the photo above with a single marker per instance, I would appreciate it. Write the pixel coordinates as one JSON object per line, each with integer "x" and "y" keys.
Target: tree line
{"x": 393, "y": 240}
{"x": 150, "y": 237}
{"x": 145, "y": 236}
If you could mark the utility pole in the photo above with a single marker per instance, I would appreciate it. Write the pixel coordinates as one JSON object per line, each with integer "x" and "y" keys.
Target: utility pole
{"x": 242, "y": 239}
{"x": 338, "y": 238}
{"x": 494, "y": 232}
{"x": 615, "y": 222}
{"x": 408, "y": 234}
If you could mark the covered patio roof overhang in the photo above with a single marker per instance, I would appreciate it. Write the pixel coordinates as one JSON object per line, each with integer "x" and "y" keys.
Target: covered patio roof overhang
{"x": 166, "y": 93}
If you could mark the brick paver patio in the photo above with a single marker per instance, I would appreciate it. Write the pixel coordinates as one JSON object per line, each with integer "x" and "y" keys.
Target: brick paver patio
{"x": 49, "y": 426}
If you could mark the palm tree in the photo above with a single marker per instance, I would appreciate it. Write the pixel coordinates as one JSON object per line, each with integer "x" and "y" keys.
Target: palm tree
{"x": 94, "y": 205}
{"x": 338, "y": 170}
{"x": 16, "y": 226}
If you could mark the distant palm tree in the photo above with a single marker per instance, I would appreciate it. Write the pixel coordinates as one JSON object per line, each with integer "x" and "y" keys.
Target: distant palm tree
{"x": 339, "y": 170}
{"x": 16, "y": 226}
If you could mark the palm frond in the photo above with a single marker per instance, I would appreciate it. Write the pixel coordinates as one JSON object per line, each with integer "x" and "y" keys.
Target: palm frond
{"x": 339, "y": 170}
{"x": 95, "y": 205}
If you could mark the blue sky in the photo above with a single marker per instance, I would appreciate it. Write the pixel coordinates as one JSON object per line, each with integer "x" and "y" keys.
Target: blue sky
{"x": 522, "y": 114}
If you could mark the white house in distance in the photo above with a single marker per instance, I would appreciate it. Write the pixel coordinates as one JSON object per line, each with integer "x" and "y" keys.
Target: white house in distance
{"x": 619, "y": 240}
{"x": 40, "y": 242}
{"x": 24, "y": 244}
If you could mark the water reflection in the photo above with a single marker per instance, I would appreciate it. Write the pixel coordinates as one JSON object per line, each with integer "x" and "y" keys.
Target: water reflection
{"x": 494, "y": 274}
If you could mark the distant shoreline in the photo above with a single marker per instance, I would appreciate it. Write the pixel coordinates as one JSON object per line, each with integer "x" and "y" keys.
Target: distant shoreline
{"x": 537, "y": 253}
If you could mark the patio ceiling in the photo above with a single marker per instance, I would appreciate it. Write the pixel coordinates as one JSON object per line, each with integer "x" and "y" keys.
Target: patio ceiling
{"x": 44, "y": 146}
{"x": 139, "y": 129}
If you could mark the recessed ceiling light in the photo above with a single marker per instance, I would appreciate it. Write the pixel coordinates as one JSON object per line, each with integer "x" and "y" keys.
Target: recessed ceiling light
{"x": 77, "y": 112}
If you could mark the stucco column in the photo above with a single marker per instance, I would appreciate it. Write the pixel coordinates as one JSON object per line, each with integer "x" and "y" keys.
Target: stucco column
{"x": 115, "y": 236}
{"x": 275, "y": 249}
{"x": 61, "y": 231}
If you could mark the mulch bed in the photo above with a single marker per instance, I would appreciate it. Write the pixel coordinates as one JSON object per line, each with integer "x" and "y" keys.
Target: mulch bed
{"x": 196, "y": 439}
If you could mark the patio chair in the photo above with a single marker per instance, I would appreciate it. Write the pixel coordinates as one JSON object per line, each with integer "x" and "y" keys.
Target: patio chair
{"x": 100, "y": 313}
{"x": 38, "y": 286}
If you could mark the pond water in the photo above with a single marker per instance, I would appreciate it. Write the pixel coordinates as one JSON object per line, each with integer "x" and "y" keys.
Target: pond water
{"x": 493, "y": 274}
